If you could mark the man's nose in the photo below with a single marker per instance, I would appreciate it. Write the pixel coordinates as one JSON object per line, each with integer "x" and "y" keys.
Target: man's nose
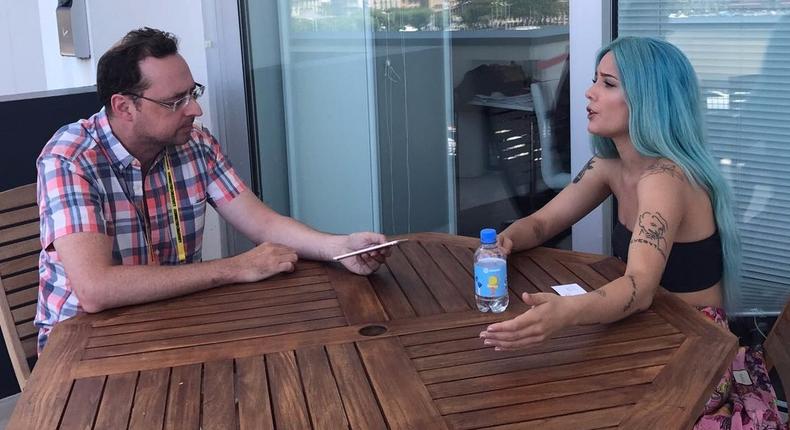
{"x": 193, "y": 108}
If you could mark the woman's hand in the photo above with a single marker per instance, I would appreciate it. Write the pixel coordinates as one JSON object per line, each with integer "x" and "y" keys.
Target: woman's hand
{"x": 504, "y": 243}
{"x": 548, "y": 314}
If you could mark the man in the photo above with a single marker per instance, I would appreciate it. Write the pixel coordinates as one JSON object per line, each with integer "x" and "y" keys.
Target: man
{"x": 122, "y": 197}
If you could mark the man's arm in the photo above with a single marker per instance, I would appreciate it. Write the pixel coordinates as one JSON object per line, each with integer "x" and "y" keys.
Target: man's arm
{"x": 261, "y": 224}
{"x": 101, "y": 285}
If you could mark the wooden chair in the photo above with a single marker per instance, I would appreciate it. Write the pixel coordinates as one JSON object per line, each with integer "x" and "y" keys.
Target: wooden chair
{"x": 777, "y": 348}
{"x": 19, "y": 249}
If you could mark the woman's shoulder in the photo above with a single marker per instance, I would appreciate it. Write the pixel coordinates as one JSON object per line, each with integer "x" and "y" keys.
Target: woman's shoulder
{"x": 664, "y": 171}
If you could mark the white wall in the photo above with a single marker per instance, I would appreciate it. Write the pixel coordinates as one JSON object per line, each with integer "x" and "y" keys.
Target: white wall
{"x": 22, "y": 69}
{"x": 32, "y": 62}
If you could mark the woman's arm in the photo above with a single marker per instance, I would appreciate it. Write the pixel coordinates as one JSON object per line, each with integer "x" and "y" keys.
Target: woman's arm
{"x": 661, "y": 210}
{"x": 588, "y": 190}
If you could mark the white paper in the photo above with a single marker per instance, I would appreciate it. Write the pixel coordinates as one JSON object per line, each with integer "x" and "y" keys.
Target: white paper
{"x": 569, "y": 289}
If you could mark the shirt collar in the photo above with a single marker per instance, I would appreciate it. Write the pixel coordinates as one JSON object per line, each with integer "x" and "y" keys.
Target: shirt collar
{"x": 115, "y": 149}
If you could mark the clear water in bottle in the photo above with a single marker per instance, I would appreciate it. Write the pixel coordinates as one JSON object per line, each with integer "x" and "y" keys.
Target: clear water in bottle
{"x": 490, "y": 275}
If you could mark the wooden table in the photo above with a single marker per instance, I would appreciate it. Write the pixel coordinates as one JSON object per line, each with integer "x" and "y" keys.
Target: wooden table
{"x": 326, "y": 349}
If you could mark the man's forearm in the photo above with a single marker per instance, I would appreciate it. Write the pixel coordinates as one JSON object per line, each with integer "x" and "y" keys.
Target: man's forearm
{"x": 127, "y": 285}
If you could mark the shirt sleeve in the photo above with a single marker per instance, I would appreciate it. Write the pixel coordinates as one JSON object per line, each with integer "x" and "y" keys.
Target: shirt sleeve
{"x": 67, "y": 200}
{"x": 223, "y": 182}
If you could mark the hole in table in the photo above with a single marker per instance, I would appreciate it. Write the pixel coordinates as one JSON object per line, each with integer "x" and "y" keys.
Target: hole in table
{"x": 372, "y": 330}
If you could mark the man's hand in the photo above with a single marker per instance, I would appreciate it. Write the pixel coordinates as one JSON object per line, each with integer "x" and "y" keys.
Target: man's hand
{"x": 263, "y": 261}
{"x": 367, "y": 263}
{"x": 547, "y": 316}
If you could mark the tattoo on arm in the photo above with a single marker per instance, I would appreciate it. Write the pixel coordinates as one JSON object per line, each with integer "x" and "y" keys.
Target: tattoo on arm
{"x": 586, "y": 167}
{"x": 600, "y": 292}
{"x": 631, "y": 299}
{"x": 652, "y": 229}
{"x": 664, "y": 167}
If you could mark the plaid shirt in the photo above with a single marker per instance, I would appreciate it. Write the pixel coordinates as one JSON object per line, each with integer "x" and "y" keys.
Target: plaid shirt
{"x": 80, "y": 190}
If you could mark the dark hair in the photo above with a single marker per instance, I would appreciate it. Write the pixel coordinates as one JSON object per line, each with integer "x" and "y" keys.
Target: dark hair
{"x": 119, "y": 68}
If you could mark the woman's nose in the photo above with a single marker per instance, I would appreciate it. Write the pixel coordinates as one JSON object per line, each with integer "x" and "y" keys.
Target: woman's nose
{"x": 589, "y": 93}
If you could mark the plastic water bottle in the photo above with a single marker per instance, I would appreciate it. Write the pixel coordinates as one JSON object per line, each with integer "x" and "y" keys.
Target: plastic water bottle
{"x": 490, "y": 274}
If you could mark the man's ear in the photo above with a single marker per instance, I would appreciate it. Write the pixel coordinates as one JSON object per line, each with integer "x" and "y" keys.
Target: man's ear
{"x": 122, "y": 107}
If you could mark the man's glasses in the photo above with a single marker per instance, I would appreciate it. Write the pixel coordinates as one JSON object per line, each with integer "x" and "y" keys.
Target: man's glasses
{"x": 181, "y": 103}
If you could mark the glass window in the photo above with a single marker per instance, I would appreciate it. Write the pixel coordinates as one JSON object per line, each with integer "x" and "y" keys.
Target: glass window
{"x": 741, "y": 52}
{"x": 442, "y": 115}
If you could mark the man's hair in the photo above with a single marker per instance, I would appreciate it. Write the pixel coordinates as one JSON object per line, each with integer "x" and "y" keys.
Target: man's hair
{"x": 665, "y": 120}
{"x": 119, "y": 68}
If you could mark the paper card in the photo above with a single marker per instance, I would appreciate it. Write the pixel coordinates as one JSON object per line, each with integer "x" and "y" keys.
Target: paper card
{"x": 742, "y": 377}
{"x": 569, "y": 289}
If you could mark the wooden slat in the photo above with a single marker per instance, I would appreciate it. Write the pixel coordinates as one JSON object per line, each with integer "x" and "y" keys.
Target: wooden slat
{"x": 183, "y": 399}
{"x": 19, "y": 232}
{"x": 228, "y": 308}
{"x": 554, "y": 358}
{"x": 320, "y": 389}
{"x": 24, "y": 247}
{"x": 148, "y": 411}
{"x": 116, "y": 403}
{"x": 219, "y": 408}
{"x": 464, "y": 256}
{"x": 23, "y": 195}
{"x": 26, "y": 279}
{"x": 457, "y": 275}
{"x": 548, "y": 408}
{"x": 290, "y": 411}
{"x": 600, "y": 419}
{"x": 403, "y": 398}
{"x": 30, "y": 346}
{"x": 534, "y": 273}
{"x": 559, "y": 271}
{"x": 357, "y": 299}
{"x": 83, "y": 403}
{"x": 547, "y": 390}
{"x": 777, "y": 347}
{"x": 390, "y": 294}
{"x": 24, "y": 313}
{"x": 607, "y": 334}
{"x": 250, "y": 287}
{"x": 615, "y": 336}
{"x": 419, "y": 296}
{"x": 551, "y": 373}
{"x": 29, "y": 213}
{"x": 22, "y": 297}
{"x": 26, "y": 329}
{"x": 156, "y": 325}
{"x": 360, "y": 403}
{"x": 592, "y": 278}
{"x": 611, "y": 268}
{"x": 255, "y": 410}
{"x": 223, "y": 338}
{"x": 212, "y": 328}
{"x": 21, "y": 264}
{"x": 446, "y": 294}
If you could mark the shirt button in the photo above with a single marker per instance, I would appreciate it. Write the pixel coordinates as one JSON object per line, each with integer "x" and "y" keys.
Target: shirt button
{"x": 156, "y": 252}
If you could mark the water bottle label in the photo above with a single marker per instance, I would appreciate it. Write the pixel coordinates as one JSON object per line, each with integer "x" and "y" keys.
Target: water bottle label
{"x": 490, "y": 282}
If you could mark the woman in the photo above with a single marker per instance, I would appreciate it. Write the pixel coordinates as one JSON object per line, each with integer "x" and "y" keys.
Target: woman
{"x": 675, "y": 225}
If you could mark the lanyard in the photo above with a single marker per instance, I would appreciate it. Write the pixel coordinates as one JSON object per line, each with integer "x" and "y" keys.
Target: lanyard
{"x": 142, "y": 213}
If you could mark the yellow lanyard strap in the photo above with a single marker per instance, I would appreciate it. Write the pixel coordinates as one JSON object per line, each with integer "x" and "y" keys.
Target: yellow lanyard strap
{"x": 175, "y": 215}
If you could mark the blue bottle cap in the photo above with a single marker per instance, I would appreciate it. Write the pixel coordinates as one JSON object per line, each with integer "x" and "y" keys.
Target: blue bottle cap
{"x": 488, "y": 235}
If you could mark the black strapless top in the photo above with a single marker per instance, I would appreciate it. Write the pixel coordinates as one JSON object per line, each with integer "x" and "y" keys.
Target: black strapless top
{"x": 692, "y": 266}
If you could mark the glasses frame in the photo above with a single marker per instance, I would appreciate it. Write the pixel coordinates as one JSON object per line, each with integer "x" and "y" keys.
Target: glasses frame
{"x": 174, "y": 106}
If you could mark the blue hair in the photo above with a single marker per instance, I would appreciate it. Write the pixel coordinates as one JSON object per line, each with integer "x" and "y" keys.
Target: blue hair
{"x": 665, "y": 120}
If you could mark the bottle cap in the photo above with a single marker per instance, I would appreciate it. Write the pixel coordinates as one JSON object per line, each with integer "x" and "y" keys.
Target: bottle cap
{"x": 488, "y": 235}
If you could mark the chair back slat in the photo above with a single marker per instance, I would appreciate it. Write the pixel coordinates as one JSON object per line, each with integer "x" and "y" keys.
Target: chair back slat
{"x": 19, "y": 253}
{"x": 777, "y": 347}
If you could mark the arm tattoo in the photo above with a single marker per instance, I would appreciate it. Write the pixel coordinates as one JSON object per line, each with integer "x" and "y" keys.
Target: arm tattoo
{"x": 586, "y": 167}
{"x": 652, "y": 229}
{"x": 600, "y": 292}
{"x": 665, "y": 168}
{"x": 633, "y": 295}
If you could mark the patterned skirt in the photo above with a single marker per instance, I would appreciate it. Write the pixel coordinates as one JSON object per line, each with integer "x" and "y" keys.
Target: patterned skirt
{"x": 744, "y": 398}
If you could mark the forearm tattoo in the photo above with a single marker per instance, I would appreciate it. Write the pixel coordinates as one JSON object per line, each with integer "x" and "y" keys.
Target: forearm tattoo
{"x": 664, "y": 167}
{"x": 631, "y": 299}
{"x": 600, "y": 292}
{"x": 652, "y": 229}
{"x": 586, "y": 167}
